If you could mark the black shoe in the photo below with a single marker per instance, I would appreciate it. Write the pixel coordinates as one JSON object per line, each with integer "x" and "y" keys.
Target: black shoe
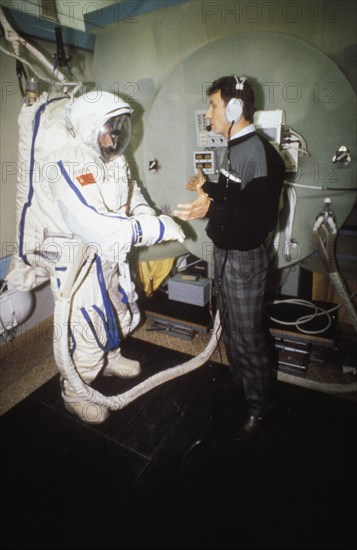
{"x": 249, "y": 428}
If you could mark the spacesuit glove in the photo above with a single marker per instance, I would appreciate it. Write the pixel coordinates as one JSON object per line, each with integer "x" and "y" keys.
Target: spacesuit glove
{"x": 150, "y": 230}
{"x": 173, "y": 232}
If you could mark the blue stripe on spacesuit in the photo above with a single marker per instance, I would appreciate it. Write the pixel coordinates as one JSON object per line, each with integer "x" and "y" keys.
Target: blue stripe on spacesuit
{"x": 162, "y": 231}
{"x": 138, "y": 232}
{"x": 31, "y": 190}
{"x": 58, "y": 281}
{"x": 109, "y": 320}
{"x": 125, "y": 299}
{"x": 90, "y": 324}
{"x": 113, "y": 335}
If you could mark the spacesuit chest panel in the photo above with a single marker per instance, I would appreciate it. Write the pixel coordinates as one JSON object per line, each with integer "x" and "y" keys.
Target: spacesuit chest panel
{"x": 83, "y": 174}
{"x": 114, "y": 186}
{"x": 85, "y": 185}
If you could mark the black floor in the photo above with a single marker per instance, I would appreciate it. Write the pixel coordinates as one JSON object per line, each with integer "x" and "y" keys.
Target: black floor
{"x": 163, "y": 472}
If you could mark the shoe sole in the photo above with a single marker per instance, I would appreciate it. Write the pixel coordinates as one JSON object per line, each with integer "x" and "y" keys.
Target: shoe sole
{"x": 67, "y": 407}
{"x": 120, "y": 375}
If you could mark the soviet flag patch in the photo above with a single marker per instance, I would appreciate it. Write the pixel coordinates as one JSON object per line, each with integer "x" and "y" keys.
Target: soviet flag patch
{"x": 86, "y": 179}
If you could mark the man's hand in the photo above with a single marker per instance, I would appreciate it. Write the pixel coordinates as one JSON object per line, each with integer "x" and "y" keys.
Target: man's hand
{"x": 196, "y": 182}
{"x": 194, "y": 210}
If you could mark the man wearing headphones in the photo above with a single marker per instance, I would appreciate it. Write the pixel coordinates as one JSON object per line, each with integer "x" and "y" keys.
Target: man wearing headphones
{"x": 242, "y": 210}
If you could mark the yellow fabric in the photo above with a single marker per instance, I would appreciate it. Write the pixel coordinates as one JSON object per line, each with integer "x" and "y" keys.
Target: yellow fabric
{"x": 150, "y": 274}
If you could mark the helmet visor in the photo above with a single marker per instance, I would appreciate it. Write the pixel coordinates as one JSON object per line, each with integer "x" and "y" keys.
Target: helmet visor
{"x": 114, "y": 137}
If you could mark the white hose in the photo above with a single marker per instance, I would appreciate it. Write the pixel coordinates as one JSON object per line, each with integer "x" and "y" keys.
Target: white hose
{"x": 15, "y": 40}
{"x": 289, "y": 243}
{"x": 57, "y": 77}
{"x": 68, "y": 370}
{"x": 66, "y": 367}
{"x": 327, "y": 387}
{"x": 327, "y": 255}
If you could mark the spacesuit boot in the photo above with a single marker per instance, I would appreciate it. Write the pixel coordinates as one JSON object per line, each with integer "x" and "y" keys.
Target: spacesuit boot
{"x": 121, "y": 366}
{"x": 86, "y": 410}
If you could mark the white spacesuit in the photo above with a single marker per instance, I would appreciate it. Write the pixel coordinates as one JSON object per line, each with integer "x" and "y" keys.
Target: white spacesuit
{"x": 75, "y": 187}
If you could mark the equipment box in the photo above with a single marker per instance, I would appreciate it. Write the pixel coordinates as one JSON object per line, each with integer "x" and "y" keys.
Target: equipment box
{"x": 190, "y": 289}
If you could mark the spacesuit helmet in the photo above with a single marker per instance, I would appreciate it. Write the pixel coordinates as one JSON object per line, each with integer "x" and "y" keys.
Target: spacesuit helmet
{"x": 102, "y": 121}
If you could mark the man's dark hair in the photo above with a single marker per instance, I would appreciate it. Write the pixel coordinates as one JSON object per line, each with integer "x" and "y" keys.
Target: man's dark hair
{"x": 227, "y": 86}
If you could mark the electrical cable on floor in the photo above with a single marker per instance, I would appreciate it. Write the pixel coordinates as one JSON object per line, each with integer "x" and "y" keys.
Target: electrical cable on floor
{"x": 304, "y": 319}
{"x": 318, "y": 312}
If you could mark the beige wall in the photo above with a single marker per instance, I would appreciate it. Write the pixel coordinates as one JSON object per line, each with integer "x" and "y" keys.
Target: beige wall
{"x": 147, "y": 48}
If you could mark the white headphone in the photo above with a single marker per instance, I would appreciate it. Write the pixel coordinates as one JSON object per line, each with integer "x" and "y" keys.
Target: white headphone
{"x": 234, "y": 109}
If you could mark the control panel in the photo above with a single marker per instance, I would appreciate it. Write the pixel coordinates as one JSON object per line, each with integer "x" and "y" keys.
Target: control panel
{"x": 206, "y": 160}
{"x": 205, "y": 137}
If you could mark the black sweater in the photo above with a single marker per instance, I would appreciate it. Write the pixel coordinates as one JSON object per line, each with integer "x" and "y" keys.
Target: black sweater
{"x": 244, "y": 208}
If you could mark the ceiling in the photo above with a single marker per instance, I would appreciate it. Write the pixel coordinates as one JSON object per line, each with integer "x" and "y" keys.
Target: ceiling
{"x": 79, "y": 19}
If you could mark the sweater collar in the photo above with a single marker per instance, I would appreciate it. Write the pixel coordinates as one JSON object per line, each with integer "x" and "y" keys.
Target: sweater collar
{"x": 247, "y": 130}
{"x": 242, "y": 135}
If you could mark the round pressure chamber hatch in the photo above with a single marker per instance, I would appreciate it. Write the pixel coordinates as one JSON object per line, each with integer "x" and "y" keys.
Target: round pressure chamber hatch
{"x": 318, "y": 104}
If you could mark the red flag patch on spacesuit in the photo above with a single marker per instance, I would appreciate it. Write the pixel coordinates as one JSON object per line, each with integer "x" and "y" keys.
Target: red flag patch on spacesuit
{"x": 86, "y": 179}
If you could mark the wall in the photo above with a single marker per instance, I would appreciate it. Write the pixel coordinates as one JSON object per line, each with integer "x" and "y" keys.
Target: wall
{"x": 149, "y": 47}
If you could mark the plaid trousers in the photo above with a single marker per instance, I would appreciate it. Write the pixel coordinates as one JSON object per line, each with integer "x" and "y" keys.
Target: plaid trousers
{"x": 240, "y": 279}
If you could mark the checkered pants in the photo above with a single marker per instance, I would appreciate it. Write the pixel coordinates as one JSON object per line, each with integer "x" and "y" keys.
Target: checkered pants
{"x": 240, "y": 278}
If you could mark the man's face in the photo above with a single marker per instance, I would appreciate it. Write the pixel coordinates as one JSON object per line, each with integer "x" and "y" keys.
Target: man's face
{"x": 114, "y": 136}
{"x": 216, "y": 114}
{"x": 108, "y": 135}
{"x": 105, "y": 139}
